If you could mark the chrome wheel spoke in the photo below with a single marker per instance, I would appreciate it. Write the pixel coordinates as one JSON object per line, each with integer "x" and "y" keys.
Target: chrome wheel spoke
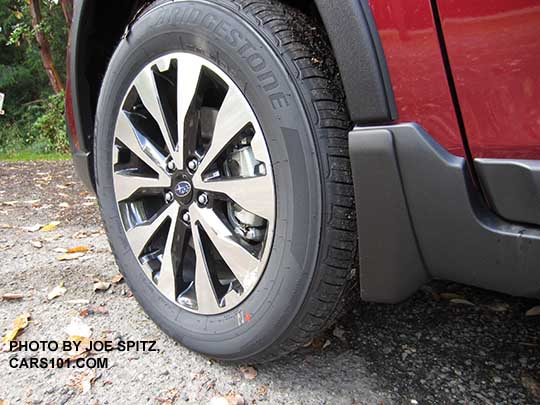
{"x": 140, "y": 235}
{"x": 204, "y": 289}
{"x": 240, "y": 261}
{"x": 167, "y": 273}
{"x": 233, "y": 116}
{"x": 146, "y": 87}
{"x": 253, "y": 194}
{"x": 127, "y": 184}
{"x": 141, "y": 146}
{"x": 189, "y": 72}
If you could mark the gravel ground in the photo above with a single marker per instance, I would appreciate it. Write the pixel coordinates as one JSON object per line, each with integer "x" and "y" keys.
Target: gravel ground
{"x": 447, "y": 344}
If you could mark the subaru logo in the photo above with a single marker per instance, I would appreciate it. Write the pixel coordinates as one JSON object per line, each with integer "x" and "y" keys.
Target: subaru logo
{"x": 182, "y": 189}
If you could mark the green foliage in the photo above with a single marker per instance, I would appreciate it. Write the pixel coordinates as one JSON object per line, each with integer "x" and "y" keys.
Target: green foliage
{"x": 34, "y": 116}
{"x": 41, "y": 129}
{"x": 49, "y": 129}
{"x": 27, "y": 156}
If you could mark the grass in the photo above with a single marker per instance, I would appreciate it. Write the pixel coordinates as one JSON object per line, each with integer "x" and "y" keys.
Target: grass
{"x": 26, "y": 156}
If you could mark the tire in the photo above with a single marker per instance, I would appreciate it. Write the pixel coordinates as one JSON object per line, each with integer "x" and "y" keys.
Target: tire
{"x": 282, "y": 64}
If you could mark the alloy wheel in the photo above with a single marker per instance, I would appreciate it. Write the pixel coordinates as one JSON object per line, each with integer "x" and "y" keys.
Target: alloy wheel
{"x": 193, "y": 183}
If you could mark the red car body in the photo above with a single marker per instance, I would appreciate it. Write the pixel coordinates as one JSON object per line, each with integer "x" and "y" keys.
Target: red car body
{"x": 493, "y": 54}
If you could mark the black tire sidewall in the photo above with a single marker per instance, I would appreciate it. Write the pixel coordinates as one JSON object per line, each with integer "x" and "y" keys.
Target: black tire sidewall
{"x": 206, "y": 29}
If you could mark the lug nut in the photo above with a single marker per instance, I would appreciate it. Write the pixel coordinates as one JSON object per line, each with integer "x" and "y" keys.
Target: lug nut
{"x": 193, "y": 165}
{"x": 203, "y": 199}
{"x": 186, "y": 217}
{"x": 171, "y": 165}
{"x": 169, "y": 196}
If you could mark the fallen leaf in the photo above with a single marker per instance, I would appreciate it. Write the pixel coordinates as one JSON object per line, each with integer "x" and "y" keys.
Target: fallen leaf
{"x": 77, "y": 329}
{"x": 101, "y": 286}
{"x": 6, "y": 226}
{"x": 36, "y": 243}
{"x": 88, "y": 204}
{"x": 320, "y": 343}
{"x": 250, "y": 373}
{"x": 56, "y": 292}
{"x": 80, "y": 235}
{"x": 19, "y": 324}
{"x": 12, "y": 296}
{"x": 70, "y": 256}
{"x": 461, "y": 301}
{"x": 83, "y": 349}
{"x": 64, "y": 205}
{"x": 78, "y": 249}
{"x": 234, "y": 399}
{"x": 117, "y": 279}
{"x": 499, "y": 307}
{"x": 93, "y": 310}
{"x": 31, "y": 202}
{"x": 60, "y": 250}
{"x": 534, "y": 311}
{"x": 4, "y": 402}
{"x": 52, "y": 238}
{"x": 9, "y": 203}
{"x": 50, "y": 226}
{"x": 78, "y": 302}
{"x": 33, "y": 228}
{"x": 229, "y": 399}
{"x": 451, "y": 296}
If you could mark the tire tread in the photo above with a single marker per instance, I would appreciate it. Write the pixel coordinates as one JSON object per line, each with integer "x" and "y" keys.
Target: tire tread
{"x": 302, "y": 43}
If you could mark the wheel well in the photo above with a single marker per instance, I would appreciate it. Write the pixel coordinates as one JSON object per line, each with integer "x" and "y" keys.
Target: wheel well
{"x": 102, "y": 26}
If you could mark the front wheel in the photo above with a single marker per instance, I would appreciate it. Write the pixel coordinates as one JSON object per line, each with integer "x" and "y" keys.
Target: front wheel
{"x": 223, "y": 177}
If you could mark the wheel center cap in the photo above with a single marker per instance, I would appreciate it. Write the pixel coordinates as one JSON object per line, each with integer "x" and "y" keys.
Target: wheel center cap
{"x": 182, "y": 189}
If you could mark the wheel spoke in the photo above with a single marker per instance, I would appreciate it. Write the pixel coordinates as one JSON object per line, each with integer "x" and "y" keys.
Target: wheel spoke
{"x": 145, "y": 83}
{"x": 260, "y": 150}
{"x": 242, "y": 263}
{"x": 204, "y": 288}
{"x": 167, "y": 273}
{"x": 140, "y": 145}
{"x": 253, "y": 194}
{"x": 139, "y": 235}
{"x": 233, "y": 116}
{"x": 126, "y": 184}
{"x": 189, "y": 72}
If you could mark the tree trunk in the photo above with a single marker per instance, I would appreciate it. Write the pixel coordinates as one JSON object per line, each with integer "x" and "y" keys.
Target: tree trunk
{"x": 67, "y": 8}
{"x": 45, "y": 48}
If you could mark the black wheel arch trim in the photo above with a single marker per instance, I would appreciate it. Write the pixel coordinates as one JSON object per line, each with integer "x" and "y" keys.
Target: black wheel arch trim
{"x": 359, "y": 53}
{"x": 420, "y": 216}
{"x": 350, "y": 26}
